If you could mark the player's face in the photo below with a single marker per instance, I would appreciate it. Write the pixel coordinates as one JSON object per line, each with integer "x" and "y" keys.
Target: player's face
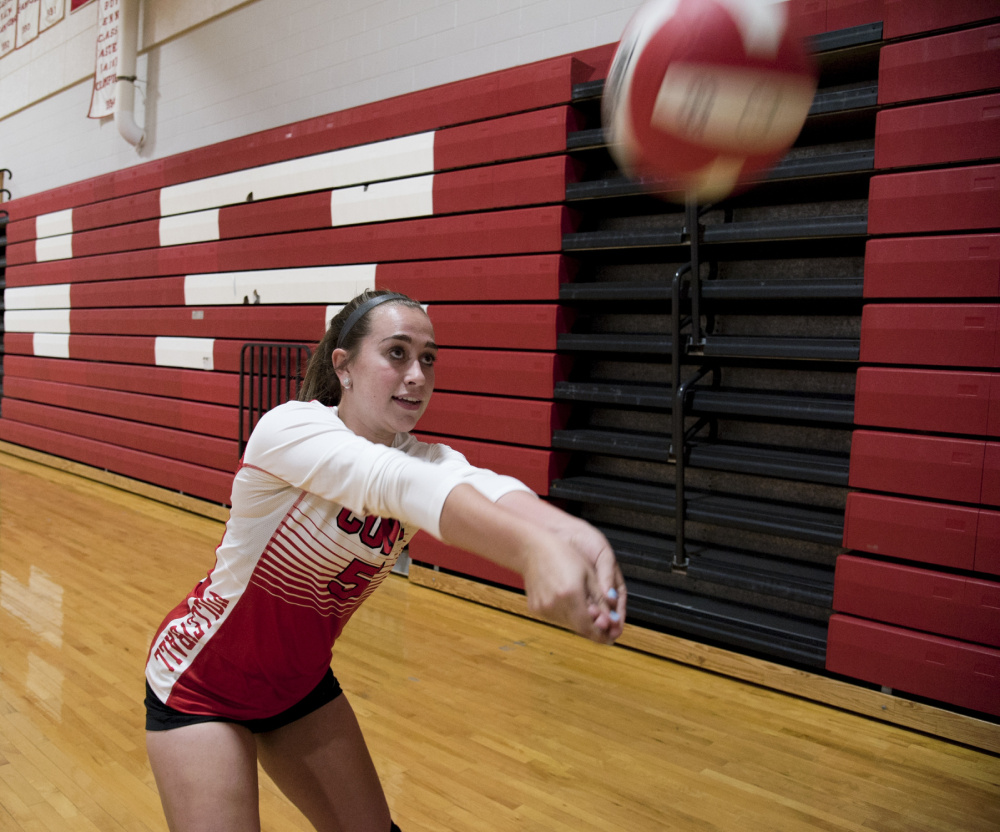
{"x": 391, "y": 375}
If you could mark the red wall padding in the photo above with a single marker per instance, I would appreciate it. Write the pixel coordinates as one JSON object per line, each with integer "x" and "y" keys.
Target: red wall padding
{"x": 193, "y": 385}
{"x": 951, "y": 199}
{"x": 525, "y": 277}
{"x": 900, "y": 18}
{"x": 500, "y": 139}
{"x": 963, "y": 130}
{"x": 198, "y": 449}
{"x": 935, "y": 533}
{"x": 247, "y": 323}
{"x": 196, "y": 417}
{"x": 517, "y": 421}
{"x": 123, "y": 349}
{"x": 535, "y": 467}
{"x": 510, "y": 326}
{"x": 520, "y": 231}
{"x": 532, "y": 182}
{"x": 500, "y": 373}
{"x": 959, "y": 266}
{"x": 531, "y": 277}
{"x": 517, "y": 90}
{"x": 156, "y": 291}
{"x": 843, "y": 14}
{"x": 425, "y": 549}
{"x": 988, "y": 543}
{"x": 923, "y": 599}
{"x": 941, "y": 401}
{"x": 948, "y": 64}
{"x": 921, "y": 466}
{"x": 991, "y": 474}
{"x": 967, "y": 675}
{"x": 535, "y": 133}
{"x": 943, "y": 335}
{"x": 911, "y": 17}
{"x": 197, "y": 480}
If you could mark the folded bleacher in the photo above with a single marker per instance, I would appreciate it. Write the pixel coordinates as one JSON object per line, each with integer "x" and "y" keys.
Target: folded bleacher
{"x": 782, "y": 409}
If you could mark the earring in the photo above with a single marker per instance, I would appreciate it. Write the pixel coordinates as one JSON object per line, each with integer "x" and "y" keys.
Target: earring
{"x": 347, "y": 382}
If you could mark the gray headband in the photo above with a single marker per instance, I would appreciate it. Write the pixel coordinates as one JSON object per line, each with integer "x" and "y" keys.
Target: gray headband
{"x": 363, "y": 310}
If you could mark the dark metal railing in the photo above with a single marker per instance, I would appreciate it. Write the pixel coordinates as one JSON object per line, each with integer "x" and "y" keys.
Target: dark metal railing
{"x": 270, "y": 374}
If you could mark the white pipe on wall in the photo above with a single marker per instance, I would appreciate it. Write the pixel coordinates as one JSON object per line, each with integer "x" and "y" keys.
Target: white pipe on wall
{"x": 128, "y": 44}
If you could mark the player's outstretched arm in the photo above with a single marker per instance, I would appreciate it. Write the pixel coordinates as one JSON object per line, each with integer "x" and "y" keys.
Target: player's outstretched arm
{"x": 588, "y": 542}
{"x": 561, "y": 585}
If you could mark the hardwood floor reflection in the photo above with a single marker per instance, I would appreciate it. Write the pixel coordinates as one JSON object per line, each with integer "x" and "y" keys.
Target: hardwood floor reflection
{"x": 477, "y": 720}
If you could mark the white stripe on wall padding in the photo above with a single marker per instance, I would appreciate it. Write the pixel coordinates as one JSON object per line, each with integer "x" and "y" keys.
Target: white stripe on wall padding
{"x": 198, "y": 227}
{"x": 36, "y": 320}
{"x": 323, "y": 284}
{"x": 54, "y": 248}
{"x": 53, "y": 296}
{"x": 381, "y": 201}
{"x": 192, "y": 353}
{"x": 391, "y": 159}
{"x": 50, "y": 345}
{"x": 58, "y": 222}
{"x": 331, "y": 313}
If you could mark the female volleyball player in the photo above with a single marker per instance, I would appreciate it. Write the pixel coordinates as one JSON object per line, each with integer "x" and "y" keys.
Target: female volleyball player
{"x": 330, "y": 490}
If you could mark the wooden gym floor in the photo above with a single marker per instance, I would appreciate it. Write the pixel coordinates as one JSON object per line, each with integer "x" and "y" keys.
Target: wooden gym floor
{"x": 477, "y": 719}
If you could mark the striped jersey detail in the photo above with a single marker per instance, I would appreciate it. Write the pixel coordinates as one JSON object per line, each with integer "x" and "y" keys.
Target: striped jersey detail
{"x": 301, "y": 561}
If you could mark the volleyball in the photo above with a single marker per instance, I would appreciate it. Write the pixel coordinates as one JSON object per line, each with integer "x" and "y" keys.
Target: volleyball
{"x": 704, "y": 95}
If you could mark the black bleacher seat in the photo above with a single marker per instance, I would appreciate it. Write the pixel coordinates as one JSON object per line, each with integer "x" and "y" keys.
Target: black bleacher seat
{"x": 816, "y": 525}
{"x": 762, "y": 502}
{"x": 759, "y": 631}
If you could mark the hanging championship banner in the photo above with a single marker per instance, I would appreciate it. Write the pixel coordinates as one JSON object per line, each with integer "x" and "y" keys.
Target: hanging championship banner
{"x": 102, "y": 101}
{"x": 27, "y": 21}
{"x": 52, "y": 12}
{"x": 8, "y": 25}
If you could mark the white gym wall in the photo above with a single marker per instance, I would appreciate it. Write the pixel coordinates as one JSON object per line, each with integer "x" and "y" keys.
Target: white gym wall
{"x": 211, "y": 70}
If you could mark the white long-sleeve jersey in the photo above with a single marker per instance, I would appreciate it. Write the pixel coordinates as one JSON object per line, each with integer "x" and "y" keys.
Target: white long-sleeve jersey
{"x": 319, "y": 517}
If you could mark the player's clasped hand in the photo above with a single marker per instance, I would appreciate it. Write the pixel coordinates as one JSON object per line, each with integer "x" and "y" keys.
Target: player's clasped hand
{"x": 576, "y": 583}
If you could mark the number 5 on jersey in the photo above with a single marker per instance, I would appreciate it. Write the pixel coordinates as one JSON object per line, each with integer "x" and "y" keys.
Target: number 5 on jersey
{"x": 353, "y": 581}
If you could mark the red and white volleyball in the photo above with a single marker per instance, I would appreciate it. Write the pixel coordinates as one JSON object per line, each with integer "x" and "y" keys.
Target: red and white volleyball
{"x": 703, "y": 95}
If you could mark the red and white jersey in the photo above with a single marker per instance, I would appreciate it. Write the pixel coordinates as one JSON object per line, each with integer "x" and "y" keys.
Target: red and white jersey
{"x": 319, "y": 517}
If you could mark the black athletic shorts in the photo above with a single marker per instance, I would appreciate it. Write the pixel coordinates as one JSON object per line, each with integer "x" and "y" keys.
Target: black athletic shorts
{"x": 160, "y": 717}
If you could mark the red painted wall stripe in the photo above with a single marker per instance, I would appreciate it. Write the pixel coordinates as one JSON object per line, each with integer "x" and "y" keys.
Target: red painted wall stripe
{"x": 495, "y": 419}
{"x": 530, "y": 277}
{"x": 535, "y": 467}
{"x": 918, "y": 530}
{"x": 519, "y": 231}
{"x": 196, "y": 480}
{"x": 922, "y": 466}
{"x": 956, "y": 335}
{"x": 426, "y": 549}
{"x": 197, "y": 417}
{"x": 963, "y": 130}
{"x": 924, "y": 599}
{"x": 953, "y": 199}
{"x": 500, "y": 372}
{"x": 520, "y": 89}
{"x": 949, "y": 64}
{"x": 192, "y": 385}
{"x": 966, "y": 675}
{"x": 928, "y": 400}
{"x": 482, "y": 143}
{"x": 198, "y": 449}
{"x": 911, "y": 17}
{"x": 511, "y": 326}
{"x": 958, "y": 266}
